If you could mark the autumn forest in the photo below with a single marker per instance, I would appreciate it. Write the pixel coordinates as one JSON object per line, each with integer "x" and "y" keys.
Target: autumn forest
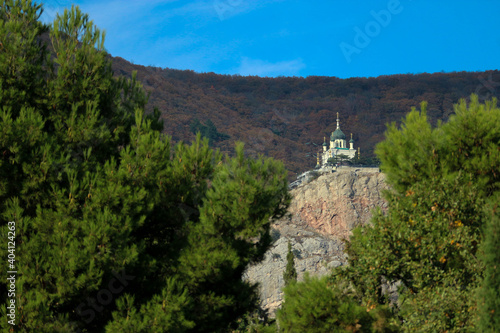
{"x": 288, "y": 117}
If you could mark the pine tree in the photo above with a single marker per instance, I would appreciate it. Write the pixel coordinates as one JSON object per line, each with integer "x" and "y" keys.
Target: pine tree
{"x": 116, "y": 230}
{"x": 208, "y": 130}
{"x": 290, "y": 274}
{"x": 441, "y": 178}
{"x": 314, "y": 305}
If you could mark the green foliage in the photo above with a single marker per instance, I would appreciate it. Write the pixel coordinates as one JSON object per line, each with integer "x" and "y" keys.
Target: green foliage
{"x": 313, "y": 175}
{"x": 441, "y": 178}
{"x": 116, "y": 230}
{"x": 342, "y": 157}
{"x": 316, "y": 306}
{"x": 207, "y": 130}
{"x": 489, "y": 293}
{"x": 154, "y": 316}
{"x": 290, "y": 274}
{"x": 339, "y": 158}
{"x": 365, "y": 161}
{"x": 256, "y": 322}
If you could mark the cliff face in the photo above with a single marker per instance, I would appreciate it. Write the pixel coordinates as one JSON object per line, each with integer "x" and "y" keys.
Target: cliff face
{"x": 323, "y": 212}
{"x": 335, "y": 203}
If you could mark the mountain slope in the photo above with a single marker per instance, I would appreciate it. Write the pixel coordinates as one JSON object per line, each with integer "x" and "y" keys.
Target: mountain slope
{"x": 288, "y": 117}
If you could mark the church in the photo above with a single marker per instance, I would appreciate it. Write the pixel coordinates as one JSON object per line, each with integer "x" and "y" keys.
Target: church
{"x": 338, "y": 146}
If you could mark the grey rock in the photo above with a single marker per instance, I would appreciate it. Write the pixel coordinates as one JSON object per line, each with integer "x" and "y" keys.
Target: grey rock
{"x": 322, "y": 214}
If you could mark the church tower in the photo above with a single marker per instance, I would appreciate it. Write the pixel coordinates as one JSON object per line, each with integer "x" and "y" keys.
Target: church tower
{"x": 337, "y": 146}
{"x": 337, "y": 138}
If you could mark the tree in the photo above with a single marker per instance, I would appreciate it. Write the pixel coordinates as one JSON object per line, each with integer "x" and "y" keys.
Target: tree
{"x": 116, "y": 231}
{"x": 489, "y": 293}
{"x": 315, "y": 305}
{"x": 340, "y": 158}
{"x": 441, "y": 180}
{"x": 208, "y": 131}
{"x": 256, "y": 322}
{"x": 290, "y": 274}
{"x": 363, "y": 160}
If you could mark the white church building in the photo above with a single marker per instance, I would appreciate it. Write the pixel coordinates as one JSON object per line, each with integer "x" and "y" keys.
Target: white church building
{"x": 337, "y": 146}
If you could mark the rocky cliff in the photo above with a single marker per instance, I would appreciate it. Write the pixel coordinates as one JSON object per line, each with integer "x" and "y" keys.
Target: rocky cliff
{"x": 323, "y": 212}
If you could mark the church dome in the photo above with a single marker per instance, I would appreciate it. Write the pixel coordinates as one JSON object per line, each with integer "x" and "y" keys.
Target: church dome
{"x": 338, "y": 134}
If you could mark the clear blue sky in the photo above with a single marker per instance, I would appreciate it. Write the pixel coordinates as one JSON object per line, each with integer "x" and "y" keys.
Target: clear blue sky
{"x": 342, "y": 38}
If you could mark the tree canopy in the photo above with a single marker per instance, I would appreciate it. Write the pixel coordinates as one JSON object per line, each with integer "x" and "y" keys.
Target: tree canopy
{"x": 116, "y": 230}
{"x": 316, "y": 306}
{"x": 443, "y": 180}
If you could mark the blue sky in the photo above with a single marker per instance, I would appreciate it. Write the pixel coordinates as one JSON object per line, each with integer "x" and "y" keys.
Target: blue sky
{"x": 342, "y": 38}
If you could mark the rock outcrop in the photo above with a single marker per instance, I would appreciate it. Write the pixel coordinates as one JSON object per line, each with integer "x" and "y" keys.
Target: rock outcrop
{"x": 323, "y": 212}
{"x": 335, "y": 203}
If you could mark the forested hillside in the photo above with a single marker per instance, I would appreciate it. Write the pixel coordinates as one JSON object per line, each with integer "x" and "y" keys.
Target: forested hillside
{"x": 284, "y": 117}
